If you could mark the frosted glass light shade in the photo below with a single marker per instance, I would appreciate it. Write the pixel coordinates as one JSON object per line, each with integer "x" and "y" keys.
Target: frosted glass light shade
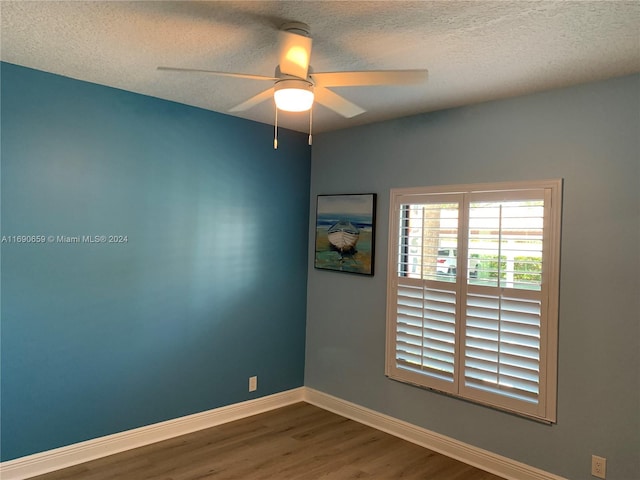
{"x": 293, "y": 95}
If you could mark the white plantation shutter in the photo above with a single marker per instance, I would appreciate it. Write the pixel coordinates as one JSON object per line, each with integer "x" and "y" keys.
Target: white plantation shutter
{"x": 482, "y": 322}
{"x": 426, "y": 301}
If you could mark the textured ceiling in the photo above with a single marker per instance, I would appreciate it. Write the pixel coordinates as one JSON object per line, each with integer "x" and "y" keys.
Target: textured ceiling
{"x": 474, "y": 50}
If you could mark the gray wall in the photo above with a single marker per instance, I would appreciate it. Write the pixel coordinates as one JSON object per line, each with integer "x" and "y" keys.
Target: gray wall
{"x": 587, "y": 135}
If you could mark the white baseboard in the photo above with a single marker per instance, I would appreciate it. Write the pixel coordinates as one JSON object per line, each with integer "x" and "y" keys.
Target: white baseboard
{"x": 477, "y": 457}
{"x": 51, "y": 460}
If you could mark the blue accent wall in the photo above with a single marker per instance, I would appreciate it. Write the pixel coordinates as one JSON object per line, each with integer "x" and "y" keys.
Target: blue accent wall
{"x": 209, "y": 288}
{"x": 589, "y": 135}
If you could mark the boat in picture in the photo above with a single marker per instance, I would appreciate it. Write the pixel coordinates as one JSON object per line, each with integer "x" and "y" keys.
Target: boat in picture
{"x": 343, "y": 236}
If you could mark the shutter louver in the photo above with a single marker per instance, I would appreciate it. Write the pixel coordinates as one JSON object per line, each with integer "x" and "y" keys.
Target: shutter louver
{"x": 425, "y": 335}
{"x": 502, "y": 345}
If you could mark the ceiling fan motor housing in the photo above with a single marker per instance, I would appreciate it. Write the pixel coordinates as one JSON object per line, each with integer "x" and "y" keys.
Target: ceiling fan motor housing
{"x": 293, "y": 83}
{"x": 298, "y": 28}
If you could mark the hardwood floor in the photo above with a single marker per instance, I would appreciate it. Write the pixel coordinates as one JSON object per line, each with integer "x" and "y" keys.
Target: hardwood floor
{"x": 298, "y": 442}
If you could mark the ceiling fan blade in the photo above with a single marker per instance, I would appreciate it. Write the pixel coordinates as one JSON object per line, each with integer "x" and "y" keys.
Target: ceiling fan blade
{"x": 295, "y": 51}
{"x": 337, "y": 103}
{"x": 373, "y": 77}
{"x": 223, "y": 74}
{"x": 253, "y": 101}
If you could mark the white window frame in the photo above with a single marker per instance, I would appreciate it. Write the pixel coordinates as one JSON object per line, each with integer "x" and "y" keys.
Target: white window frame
{"x": 543, "y": 407}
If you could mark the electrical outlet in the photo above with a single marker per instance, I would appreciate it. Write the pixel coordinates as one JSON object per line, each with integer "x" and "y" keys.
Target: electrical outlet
{"x": 253, "y": 384}
{"x": 598, "y": 466}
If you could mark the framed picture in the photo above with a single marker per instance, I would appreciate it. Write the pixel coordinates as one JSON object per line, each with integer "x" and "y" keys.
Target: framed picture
{"x": 345, "y": 233}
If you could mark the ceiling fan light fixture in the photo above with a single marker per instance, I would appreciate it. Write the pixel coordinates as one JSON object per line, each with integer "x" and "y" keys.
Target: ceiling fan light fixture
{"x": 293, "y": 95}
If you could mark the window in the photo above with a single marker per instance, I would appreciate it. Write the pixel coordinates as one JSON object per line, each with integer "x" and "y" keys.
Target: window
{"x": 473, "y": 285}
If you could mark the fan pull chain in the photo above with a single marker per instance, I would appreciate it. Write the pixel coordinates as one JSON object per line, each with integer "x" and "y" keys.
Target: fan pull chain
{"x": 275, "y": 133}
{"x": 310, "y": 124}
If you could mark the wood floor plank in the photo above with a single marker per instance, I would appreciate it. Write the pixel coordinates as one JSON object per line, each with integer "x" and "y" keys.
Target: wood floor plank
{"x": 297, "y": 442}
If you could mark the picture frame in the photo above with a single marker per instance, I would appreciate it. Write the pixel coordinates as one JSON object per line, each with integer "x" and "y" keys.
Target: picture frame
{"x": 345, "y": 233}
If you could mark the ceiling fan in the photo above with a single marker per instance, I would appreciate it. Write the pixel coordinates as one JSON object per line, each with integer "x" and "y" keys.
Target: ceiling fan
{"x": 296, "y": 86}
{"x": 294, "y": 73}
